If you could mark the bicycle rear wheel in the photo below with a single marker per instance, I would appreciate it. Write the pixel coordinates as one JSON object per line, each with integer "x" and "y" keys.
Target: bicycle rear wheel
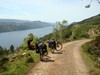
{"x": 41, "y": 57}
{"x": 41, "y": 54}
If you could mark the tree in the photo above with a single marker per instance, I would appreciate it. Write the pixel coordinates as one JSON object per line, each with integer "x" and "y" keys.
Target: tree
{"x": 1, "y": 50}
{"x": 88, "y": 6}
{"x": 62, "y": 29}
{"x": 12, "y": 48}
{"x": 55, "y": 34}
{"x": 30, "y": 35}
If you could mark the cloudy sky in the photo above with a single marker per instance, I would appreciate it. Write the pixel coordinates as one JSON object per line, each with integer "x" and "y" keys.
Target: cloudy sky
{"x": 48, "y": 10}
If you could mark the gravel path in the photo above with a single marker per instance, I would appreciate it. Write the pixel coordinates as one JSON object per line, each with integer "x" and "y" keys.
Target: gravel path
{"x": 68, "y": 61}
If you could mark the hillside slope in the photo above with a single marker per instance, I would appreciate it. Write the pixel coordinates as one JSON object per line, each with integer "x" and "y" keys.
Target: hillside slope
{"x": 7, "y": 25}
{"x": 88, "y": 28}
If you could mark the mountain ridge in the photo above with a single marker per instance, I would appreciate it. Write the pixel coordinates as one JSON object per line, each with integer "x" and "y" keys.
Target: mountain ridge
{"x": 7, "y": 25}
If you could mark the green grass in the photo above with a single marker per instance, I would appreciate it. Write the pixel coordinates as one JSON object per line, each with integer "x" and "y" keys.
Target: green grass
{"x": 90, "y": 61}
{"x": 21, "y": 64}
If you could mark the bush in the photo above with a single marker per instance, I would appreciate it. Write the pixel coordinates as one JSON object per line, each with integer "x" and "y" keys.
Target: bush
{"x": 29, "y": 58}
{"x": 3, "y": 62}
{"x": 92, "y": 51}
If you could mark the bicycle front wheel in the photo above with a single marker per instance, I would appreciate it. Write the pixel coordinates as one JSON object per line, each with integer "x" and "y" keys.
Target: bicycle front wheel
{"x": 46, "y": 53}
{"x": 58, "y": 46}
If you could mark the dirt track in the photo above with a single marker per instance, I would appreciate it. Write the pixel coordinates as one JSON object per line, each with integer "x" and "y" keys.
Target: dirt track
{"x": 68, "y": 61}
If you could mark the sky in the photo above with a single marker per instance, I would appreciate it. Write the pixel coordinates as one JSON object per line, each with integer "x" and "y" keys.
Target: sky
{"x": 48, "y": 10}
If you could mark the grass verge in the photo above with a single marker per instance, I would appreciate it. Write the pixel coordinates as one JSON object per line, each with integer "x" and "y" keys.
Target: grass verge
{"x": 90, "y": 60}
{"x": 19, "y": 64}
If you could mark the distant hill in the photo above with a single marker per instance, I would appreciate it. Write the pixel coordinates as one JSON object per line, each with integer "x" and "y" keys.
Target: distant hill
{"x": 74, "y": 23}
{"x": 7, "y": 25}
{"x": 88, "y": 27}
{"x": 94, "y": 20}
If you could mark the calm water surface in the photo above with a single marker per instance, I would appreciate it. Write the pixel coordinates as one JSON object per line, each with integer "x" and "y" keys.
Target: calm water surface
{"x": 16, "y": 37}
